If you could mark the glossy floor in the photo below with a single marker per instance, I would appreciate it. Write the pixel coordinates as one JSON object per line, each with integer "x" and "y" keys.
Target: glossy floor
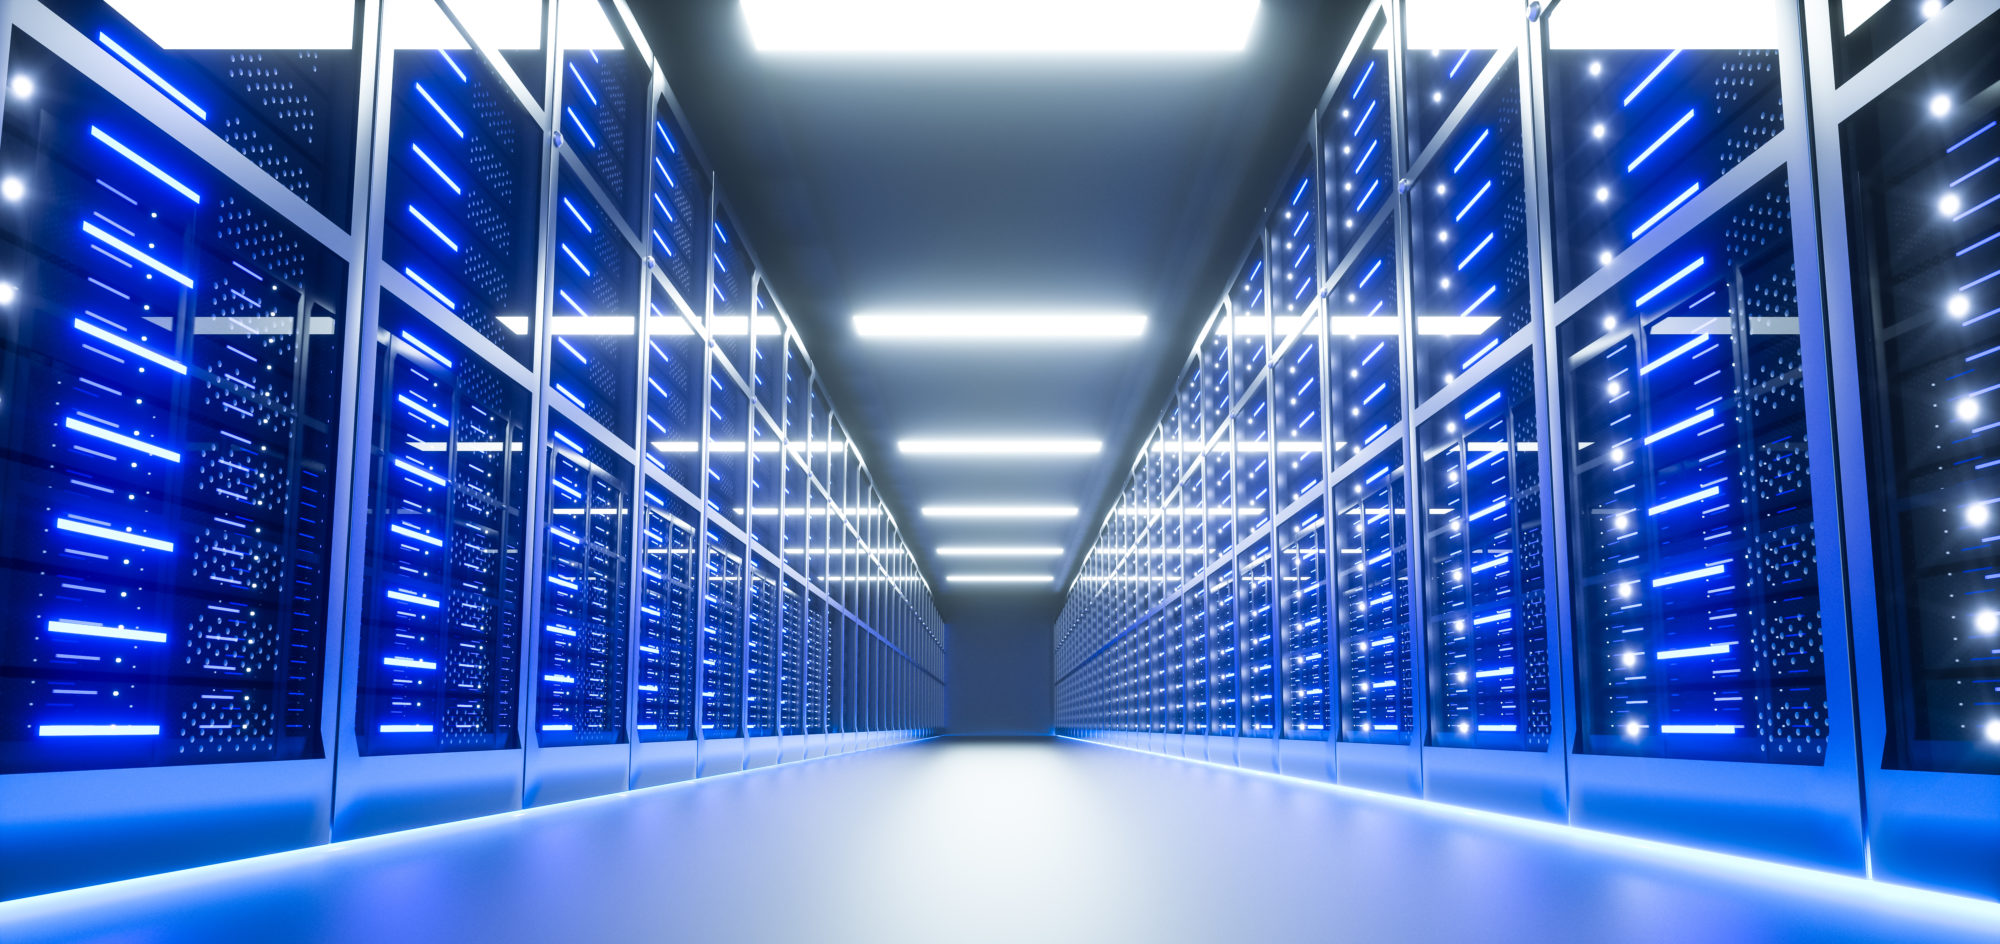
{"x": 1023, "y": 840}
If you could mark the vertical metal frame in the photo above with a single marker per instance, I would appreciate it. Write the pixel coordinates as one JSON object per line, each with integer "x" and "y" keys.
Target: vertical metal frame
{"x": 1927, "y": 828}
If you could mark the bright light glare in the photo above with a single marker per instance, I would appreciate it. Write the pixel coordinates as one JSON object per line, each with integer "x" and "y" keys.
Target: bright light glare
{"x": 1000, "y": 447}
{"x": 999, "y": 511}
{"x": 242, "y": 24}
{"x": 1605, "y": 25}
{"x": 1000, "y": 26}
{"x": 21, "y": 86}
{"x": 999, "y": 578}
{"x": 12, "y": 189}
{"x": 1020, "y": 551}
{"x": 1000, "y": 326}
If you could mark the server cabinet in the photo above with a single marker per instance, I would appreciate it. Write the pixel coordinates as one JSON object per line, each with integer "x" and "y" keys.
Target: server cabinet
{"x": 667, "y": 639}
{"x": 1291, "y": 245}
{"x": 1468, "y": 225}
{"x": 1298, "y": 416}
{"x": 1372, "y": 613}
{"x": 175, "y": 362}
{"x": 604, "y": 88}
{"x": 792, "y": 710}
{"x": 1248, "y": 326}
{"x": 1489, "y": 666}
{"x": 593, "y": 360}
{"x": 819, "y": 642}
{"x": 1225, "y": 665}
{"x": 1905, "y": 144}
{"x": 582, "y": 630}
{"x": 677, "y": 213}
{"x": 727, "y": 446}
{"x": 1711, "y": 696}
{"x": 675, "y": 394}
{"x": 1306, "y": 655}
{"x": 1257, "y": 646}
{"x": 1357, "y": 137}
{"x": 762, "y": 651}
{"x": 458, "y": 144}
{"x": 722, "y": 651}
{"x": 1253, "y": 458}
{"x": 1201, "y": 689}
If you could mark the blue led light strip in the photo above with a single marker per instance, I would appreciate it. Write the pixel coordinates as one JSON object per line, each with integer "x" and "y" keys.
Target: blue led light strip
{"x": 453, "y": 184}
{"x": 129, "y": 346}
{"x": 1648, "y": 80}
{"x": 1471, "y": 150}
{"x": 1669, "y": 283}
{"x": 1669, "y": 208}
{"x": 153, "y": 77}
{"x": 439, "y": 109}
{"x": 144, "y": 164}
{"x": 1662, "y": 139}
{"x": 127, "y": 248}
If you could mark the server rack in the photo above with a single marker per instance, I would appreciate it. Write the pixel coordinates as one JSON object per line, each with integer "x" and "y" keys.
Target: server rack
{"x": 1709, "y": 345}
{"x": 1926, "y": 756}
{"x": 424, "y": 292}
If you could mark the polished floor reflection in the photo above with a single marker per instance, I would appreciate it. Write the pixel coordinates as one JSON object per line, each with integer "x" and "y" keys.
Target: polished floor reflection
{"x": 995, "y": 840}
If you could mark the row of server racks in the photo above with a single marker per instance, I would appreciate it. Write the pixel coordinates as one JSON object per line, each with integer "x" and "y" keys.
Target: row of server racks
{"x": 1598, "y": 432}
{"x": 398, "y": 430}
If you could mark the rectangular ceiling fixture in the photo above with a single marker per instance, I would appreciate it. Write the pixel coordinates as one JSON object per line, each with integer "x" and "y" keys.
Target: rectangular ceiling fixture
{"x": 999, "y": 511}
{"x": 999, "y": 578}
{"x": 1017, "y": 551}
{"x": 999, "y": 447}
{"x": 1000, "y": 326}
{"x": 1006, "y": 27}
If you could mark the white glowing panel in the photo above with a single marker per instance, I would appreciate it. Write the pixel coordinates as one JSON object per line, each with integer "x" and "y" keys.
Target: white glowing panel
{"x": 1681, "y": 24}
{"x": 1000, "y": 26}
{"x": 242, "y": 24}
{"x": 1000, "y": 447}
{"x": 999, "y": 326}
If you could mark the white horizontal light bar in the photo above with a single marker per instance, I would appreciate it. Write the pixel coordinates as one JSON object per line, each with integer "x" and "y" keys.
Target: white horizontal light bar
{"x": 1018, "y": 551}
{"x": 98, "y": 730}
{"x": 1000, "y": 26}
{"x": 999, "y": 578}
{"x": 75, "y": 628}
{"x": 1000, "y": 447}
{"x": 1000, "y": 326}
{"x": 999, "y": 511}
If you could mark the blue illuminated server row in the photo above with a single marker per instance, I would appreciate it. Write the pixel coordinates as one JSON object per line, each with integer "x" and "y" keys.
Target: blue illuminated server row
{"x": 397, "y": 431}
{"x": 1626, "y": 461}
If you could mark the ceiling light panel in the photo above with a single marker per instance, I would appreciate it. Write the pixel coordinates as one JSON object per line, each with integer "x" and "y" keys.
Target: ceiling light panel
{"x": 999, "y": 511}
{"x": 1005, "y": 27}
{"x": 999, "y": 551}
{"x": 1000, "y": 447}
{"x": 999, "y": 578}
{"x": 1000, "y": 326}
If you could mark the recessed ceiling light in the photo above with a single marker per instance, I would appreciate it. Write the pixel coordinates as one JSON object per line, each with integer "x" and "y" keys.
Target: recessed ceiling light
{"x": 1018, "y": 551}
{"x": 1000, "y": 26}
{"x": 1000, "y": 447}
{"x": 999, "y": 578}
{"x": 1000, "y": 326}
{"x": 999, "y": 511}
